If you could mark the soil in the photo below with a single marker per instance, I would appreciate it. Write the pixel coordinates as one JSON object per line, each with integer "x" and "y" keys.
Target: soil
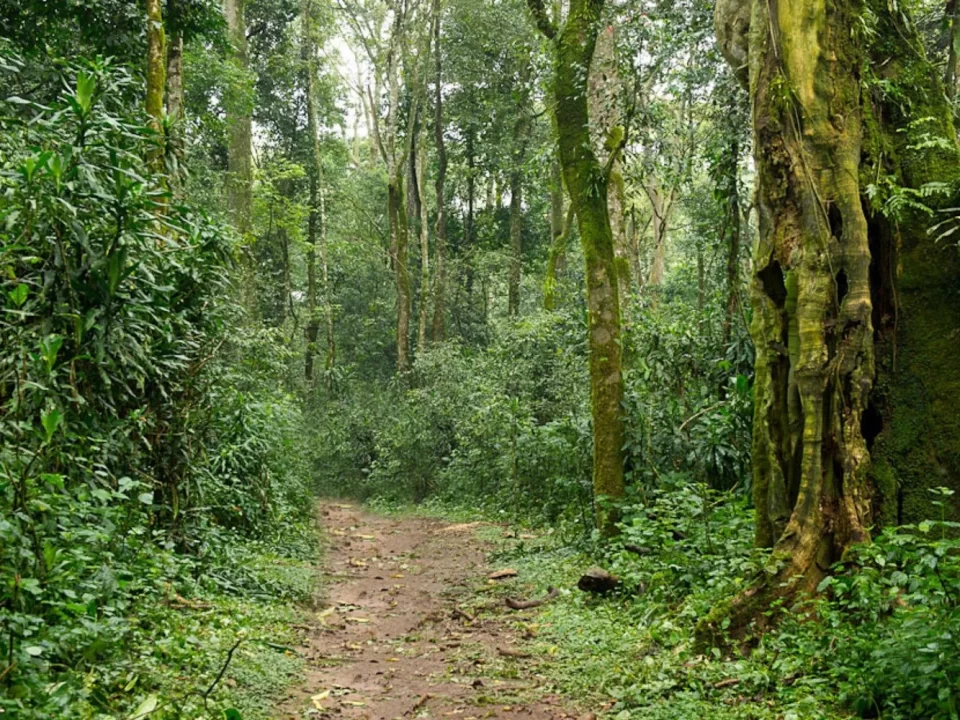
{"x": 397, "y": 633}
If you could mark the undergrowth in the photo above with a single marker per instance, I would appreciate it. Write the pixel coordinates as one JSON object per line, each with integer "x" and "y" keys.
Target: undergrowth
{"x": 881, "y": 641}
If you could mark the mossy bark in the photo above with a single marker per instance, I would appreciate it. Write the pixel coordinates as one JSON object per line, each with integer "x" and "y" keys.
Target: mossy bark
{"x": 607, "y": 129}
{"x": 913, "y": 424}
{"x": 587, "y": 183}
{"x": 557, "y": 258}
{"x": 826, "y": 283}
{"x": 239, "y": 107}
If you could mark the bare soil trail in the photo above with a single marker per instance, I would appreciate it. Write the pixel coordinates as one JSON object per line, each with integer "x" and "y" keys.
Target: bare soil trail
{"x": 390, "y": 638}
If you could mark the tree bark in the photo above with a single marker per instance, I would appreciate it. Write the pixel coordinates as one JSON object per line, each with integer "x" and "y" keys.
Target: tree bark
{"x": 317, "y": 220}
{"x": 557, "y": 249}
{"x": 425, "y": 286}
{"x": 440, "y": 241}
{"x": 734, "y": 222}
{"x": 397, "y": 216}
{"x": 557, "y": 259}
{"x": 516, "y": 242}
{"x": 587, "y": 182}
{"x": 607, "y": 130}
{"x": 953, "y": 38}
{"x": 175, "y": 78}
{"x": 239, "y": 122}
{"x": 520, "y": 129}
{"x": 156, "y": 70}
{"x": 827, "y": 297}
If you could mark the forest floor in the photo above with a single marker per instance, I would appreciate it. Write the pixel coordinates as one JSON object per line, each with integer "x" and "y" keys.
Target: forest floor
{"x": 409, "y": 624}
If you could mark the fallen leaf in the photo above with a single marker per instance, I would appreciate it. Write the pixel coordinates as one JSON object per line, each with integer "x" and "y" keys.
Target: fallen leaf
{"x": 502, "y": 574}
{"x": 319, "y": 698}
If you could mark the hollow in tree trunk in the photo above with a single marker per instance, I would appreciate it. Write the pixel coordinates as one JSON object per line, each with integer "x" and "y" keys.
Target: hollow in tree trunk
{"x": 827, "y": 297}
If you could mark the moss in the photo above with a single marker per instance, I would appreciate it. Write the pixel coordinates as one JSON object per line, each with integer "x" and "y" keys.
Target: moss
{"x": 919, "y": 350}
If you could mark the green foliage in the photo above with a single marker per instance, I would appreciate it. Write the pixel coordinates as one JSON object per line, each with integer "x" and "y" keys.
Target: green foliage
{"x": 688, "y": 398}
{"x": 503, "y": 427}
{"x": 880, "y": 642}
{"x": 137, "y": 445}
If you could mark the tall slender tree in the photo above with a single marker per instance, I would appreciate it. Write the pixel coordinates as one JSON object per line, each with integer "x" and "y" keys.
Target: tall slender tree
{"x": 587, "y": 181}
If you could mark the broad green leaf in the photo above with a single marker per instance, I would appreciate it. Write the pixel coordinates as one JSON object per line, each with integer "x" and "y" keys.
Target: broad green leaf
{"x": 148, "y": 705}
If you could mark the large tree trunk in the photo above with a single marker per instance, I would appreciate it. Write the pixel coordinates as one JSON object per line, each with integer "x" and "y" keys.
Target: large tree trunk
{"x": 952, "y": 18}
{"x": 573, "y": 46}
{"x": 607, "y": 130}
{"x": 440, "y": 242}
{"x": 239, "y": 180}
{"x": 175, "y": 78}
{"x": 823, "y": 277}
{"x": 520, "y": 129}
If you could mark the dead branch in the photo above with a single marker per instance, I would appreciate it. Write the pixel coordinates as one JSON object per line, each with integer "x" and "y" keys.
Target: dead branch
{"x": 552, "y": 592}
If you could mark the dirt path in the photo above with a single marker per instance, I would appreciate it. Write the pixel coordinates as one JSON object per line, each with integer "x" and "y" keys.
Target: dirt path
{"x": 388, "y": 640}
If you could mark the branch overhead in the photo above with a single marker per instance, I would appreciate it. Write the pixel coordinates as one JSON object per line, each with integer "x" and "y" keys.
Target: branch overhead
{"x": 540, "y": 16}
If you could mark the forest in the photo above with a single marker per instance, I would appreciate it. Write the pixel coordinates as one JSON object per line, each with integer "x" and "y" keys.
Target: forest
{"x": 480, "y": 358}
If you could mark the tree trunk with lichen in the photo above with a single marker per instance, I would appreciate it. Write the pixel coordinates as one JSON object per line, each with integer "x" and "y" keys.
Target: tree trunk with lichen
{"x": 586, "y": 181}
{"x": 238, "y": 105}
{"x": 607, "y": 130}
{"x": 825, "y": 287}
{"x": 156, "y": 70}
{"x": 557, "y": 258}
{"x": 521, "y": 130}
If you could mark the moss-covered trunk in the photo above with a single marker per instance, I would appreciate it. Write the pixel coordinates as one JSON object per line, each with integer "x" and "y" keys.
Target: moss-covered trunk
{"x": 557, "y": 258}
{"x": 586, "y": 182}
{"x": 606, "y": 121}
{"x": 832, "y": 292}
